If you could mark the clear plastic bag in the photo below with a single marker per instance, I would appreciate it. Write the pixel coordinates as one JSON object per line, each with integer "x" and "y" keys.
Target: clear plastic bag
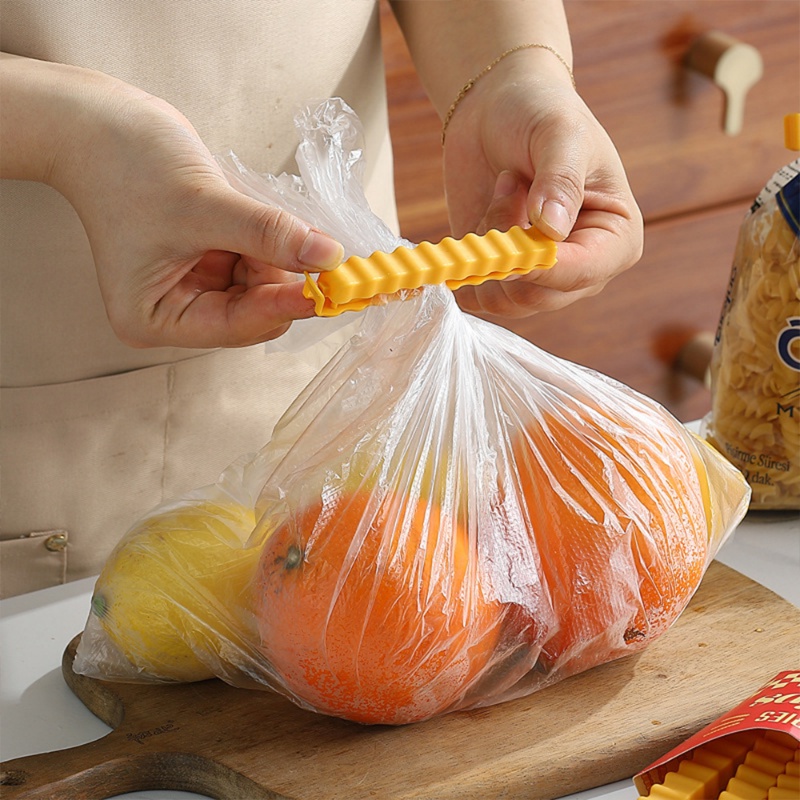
{"x": 447, "y": 517}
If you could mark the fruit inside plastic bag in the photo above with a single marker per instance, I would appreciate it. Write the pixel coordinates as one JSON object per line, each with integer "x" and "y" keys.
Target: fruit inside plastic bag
{"x": 447, "y": 517}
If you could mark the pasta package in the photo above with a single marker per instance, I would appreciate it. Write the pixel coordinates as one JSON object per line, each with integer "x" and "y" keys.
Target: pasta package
{"x": 755, "y": 367}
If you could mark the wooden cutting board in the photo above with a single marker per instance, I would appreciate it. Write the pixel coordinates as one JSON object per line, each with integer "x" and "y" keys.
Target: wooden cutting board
{"x": 594, "y": 728}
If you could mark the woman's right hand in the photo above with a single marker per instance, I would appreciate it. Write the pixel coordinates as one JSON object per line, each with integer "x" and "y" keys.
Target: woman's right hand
{"x": 182, "y": 258}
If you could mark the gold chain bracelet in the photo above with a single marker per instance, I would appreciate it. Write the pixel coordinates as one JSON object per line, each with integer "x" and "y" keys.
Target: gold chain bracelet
{"x": 470, "y": 83}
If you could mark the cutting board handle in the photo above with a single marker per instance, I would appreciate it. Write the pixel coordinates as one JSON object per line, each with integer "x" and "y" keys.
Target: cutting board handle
{"x": 121, "y": 761}
{"x": 89, "y": 772}
{"x": 107, "y": 767}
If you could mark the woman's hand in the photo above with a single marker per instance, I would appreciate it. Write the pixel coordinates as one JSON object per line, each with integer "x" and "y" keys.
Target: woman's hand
{"x": 522, "y": 148}
{"x": 182, "y": 258}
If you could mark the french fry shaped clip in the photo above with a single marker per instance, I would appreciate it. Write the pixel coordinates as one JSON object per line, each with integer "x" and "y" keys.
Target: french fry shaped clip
{"x": 470, "y": 261}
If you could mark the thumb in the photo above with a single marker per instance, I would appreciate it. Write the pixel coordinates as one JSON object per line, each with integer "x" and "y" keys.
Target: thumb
{"x": 270, "y": 235}
{"x": 556, "y": 194}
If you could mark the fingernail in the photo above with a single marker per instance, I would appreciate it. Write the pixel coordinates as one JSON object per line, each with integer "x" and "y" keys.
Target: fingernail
{"x": 320, "y": 251}
{"x": 506, "y": 184}
{"x": 557, "y": 217}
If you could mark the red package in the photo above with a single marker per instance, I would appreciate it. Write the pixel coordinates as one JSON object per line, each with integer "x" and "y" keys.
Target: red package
{"x": 730, "y": 744}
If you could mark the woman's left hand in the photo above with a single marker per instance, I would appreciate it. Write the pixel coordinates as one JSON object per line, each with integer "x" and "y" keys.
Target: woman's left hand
{"x": 525, "y": 150}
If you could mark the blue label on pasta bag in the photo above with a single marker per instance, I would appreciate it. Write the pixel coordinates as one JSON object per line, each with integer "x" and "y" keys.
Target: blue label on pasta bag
{"x": 789, "y": 203}
{"x": 783, "y": 343}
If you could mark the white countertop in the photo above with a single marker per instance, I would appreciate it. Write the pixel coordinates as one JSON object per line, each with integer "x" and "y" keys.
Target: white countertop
{"x": 39, "y": 713}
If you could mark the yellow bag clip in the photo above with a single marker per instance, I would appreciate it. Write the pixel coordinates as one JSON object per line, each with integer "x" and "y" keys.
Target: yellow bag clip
{"x": 470, "y": 261}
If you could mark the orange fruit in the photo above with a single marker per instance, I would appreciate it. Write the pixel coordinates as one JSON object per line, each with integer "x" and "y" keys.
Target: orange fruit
{"x": 372, "y": 609}
{"x": 618, "y": 517}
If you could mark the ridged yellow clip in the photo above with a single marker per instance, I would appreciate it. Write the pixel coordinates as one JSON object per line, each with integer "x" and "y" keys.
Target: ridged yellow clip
{"x": 470, "y": 261}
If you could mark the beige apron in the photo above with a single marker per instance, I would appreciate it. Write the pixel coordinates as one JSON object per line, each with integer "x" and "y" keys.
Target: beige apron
{"x": 94, "y": 433}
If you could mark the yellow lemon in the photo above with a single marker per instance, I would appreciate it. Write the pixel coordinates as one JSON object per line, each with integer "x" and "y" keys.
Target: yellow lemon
{"x": 170, "y": 590}
{"x": 724, "y": 489}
